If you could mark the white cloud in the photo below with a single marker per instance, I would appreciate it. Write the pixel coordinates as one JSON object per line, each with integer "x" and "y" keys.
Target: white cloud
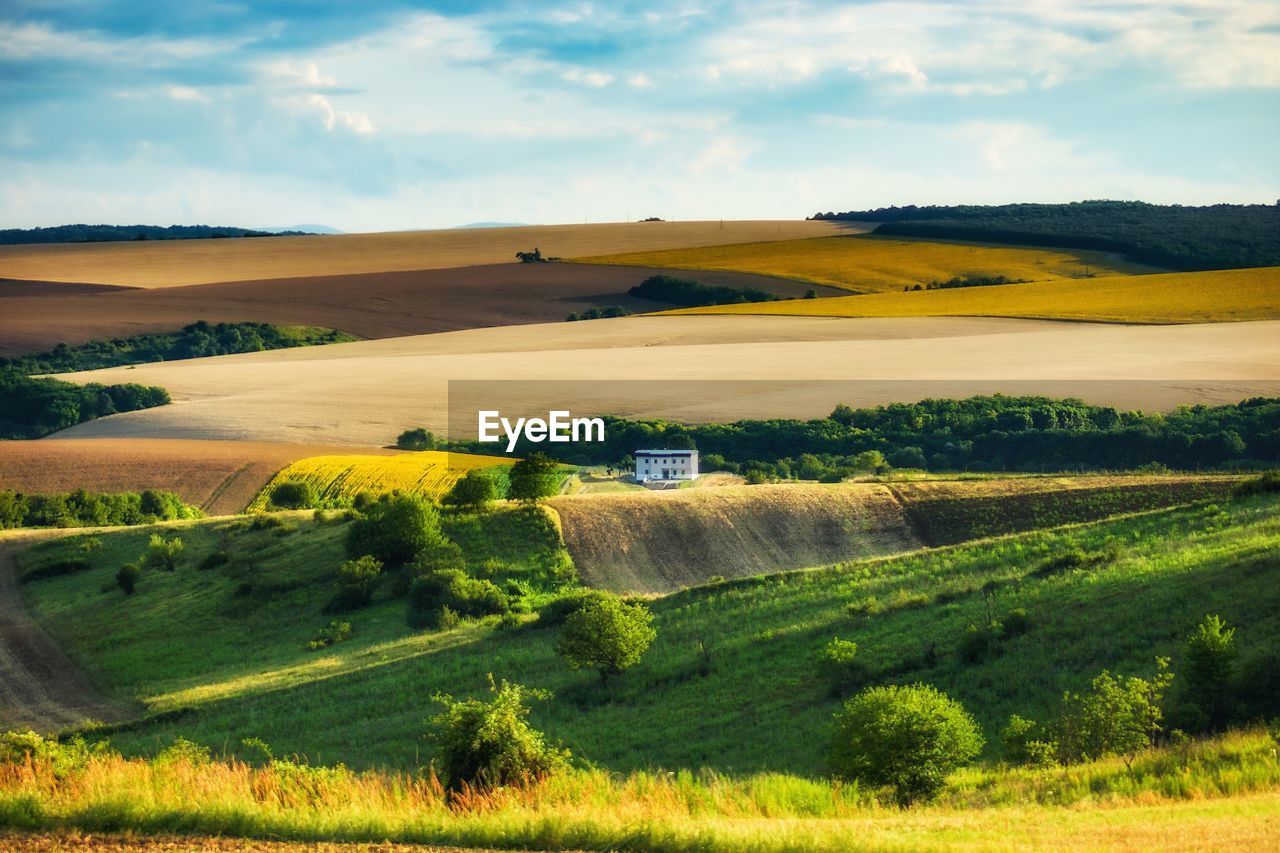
{"x": 186, "y": 93}
{"x": 587, "y": 77}
{"x": 356, "y": 122}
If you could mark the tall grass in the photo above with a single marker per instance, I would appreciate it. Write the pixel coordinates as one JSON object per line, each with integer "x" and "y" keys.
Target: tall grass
{"x": 594, "y": 809}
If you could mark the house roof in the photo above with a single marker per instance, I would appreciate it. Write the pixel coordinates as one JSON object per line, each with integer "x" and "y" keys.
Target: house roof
{"x": 664, "y": 453}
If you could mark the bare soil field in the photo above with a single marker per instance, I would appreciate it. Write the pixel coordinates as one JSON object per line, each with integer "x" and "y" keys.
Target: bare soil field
{"x": 40, "y": 688}
{"x": 658, "y": 542}
{"x": 172, "y": 263}
{"x": 221, "y": 477}
{"x": 35, "y": 316}
{"x": 365, "y": 393}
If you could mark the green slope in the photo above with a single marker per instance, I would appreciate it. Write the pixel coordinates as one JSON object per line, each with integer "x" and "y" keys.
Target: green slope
{"x": 757, "y": 700}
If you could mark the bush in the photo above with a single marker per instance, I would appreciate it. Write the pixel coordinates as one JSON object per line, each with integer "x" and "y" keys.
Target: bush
{"x": 357, "y": 581}
{"x": 395, "y": 529}
{"x": 532, "y": 478}
{"x": 417, "y": 439}
{"x": 910, "y": 738}
{"x": 553, "y": 613}
{"x": 606, "y": 634}
{"x": 127, "y": 578}
{"x": 293, "y": 494}
{"x": 335, "y": 632}
{"x": 473, "y": 491}
{"x": 979, "y": 641}
{"x": 163, "y": 553}
{"x": 1210, "y": 654}
{"x": 1025, "y": 742}
{"x": 1266, "y": 484}
{"x": 841, "y": 665}
{"x": 1118, "y": 716}
{"x": 214, "y": 560}
{"x": 1016, "y": 623}
{"x": 451, "y": 589}
{"x": 1256, "y": 686}
{"x": 58, "y": 568}
{"x": 491, "y": 744}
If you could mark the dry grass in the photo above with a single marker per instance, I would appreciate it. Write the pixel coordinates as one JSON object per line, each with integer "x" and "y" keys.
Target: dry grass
{"x": 366, "y": 393}
{"x": 870, "y": 264}
{"x": 1193, "y": 297}
{"x": 338, "y": 479}
{"x": 662, "y": 541}
{"x": 220, "y": 477}
{"x": 168, "y": 263}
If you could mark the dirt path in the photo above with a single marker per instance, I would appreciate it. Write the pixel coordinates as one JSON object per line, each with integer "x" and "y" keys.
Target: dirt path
{"x": 40, "y": 688}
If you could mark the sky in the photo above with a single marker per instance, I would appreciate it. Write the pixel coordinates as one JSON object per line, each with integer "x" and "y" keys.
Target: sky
{"x": 395, "y": 115}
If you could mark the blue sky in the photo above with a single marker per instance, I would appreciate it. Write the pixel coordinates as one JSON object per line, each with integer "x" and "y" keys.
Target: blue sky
{"x": 403, "y": 115}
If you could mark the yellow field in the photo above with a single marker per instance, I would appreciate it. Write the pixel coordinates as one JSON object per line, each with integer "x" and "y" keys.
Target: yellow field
{"x": 430, "y": 473}
{"x": 869, "y": 264}
{"x": 171, "y": 263}
{"x": 1194, "y": 297}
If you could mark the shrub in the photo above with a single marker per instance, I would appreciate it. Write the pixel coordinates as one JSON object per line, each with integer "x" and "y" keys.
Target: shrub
{"x": 127, "y": 578}
{"x": 395, "y": 529}
{"x": 1016, "y": 623}
{"x": 417, "y": 439}
{"x": 454, "y": 590}
{"x": 357, "y": 581}
{"x": 1118, "y": 716}
{"x": 532, "y": 478}
{"x": 58, "y": 568}
{"x": 606, "y": 634}
{"x": 553, "y": 613}
{"x": 1210, "y": 654}
{"x": 163, "y": 553}
{"x": 980, "y": 641}
{"x": 1267, "y": 483}
{"x": 293, "y": 494}
{"x": 1026, "y": 742}
{"x": 333, "y": 633}
{"x": 490, "y": 743}
{"x": 213, "y": 560}
{"x": 910, "y": 738}
{"x": 473, "y": 491}
{"x": 1256, "y": 685}
{"x": 841, "y": 665}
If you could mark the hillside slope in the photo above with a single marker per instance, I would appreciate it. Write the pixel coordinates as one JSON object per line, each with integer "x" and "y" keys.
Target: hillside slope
{"x": 662, "y": 541}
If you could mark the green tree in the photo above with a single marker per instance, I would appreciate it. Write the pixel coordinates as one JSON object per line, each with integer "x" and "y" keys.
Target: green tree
{"x": 127, "y": 578}
{"x": 163, "y": 553}
{"x": 490, "y": 743}
{"x": 1210, "y": 660}
{"x": 473, "y": 491}
{"x": 1119, "y": 715}
{"x": 417, "y": 439}
{"x": 293, "y": 494}
{"x": 910, "y": 738}
{"x": 534, "y": 477}
{"x": 357, "y": 581}
{"x": 395, "y": 529}
{"x": 606, "y": 634}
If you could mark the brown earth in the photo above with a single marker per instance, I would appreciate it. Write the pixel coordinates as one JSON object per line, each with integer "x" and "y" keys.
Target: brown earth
{"x": 35, "y": 316}
{"x": 39, "y": 686}
{"x": 366, "y": 393}
{"x": 172, "y": 263}
{"x": 658, "y": 542}
{"x": 220, "y": 477}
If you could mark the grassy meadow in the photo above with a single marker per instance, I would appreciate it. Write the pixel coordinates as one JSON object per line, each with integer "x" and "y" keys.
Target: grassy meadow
{"x": 1217, "y": 296}
{"x": 338, "y": 479}
{"x": 870, "y": 264}
{"x": 733, "y": 683}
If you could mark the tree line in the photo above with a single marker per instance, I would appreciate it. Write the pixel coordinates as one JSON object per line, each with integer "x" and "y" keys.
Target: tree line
{"x": 985, "y": 433}
{"x": 1219, "y": 236}
{"x": 32, "y": 408}
{"x": 81, "y": 233}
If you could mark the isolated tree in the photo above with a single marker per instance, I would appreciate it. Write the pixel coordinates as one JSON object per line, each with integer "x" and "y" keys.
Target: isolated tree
{"x": 357, "y": 581}
{"x": 417, "y": 439}
{"x": 606, "y": 634}
{"x": 1210, "y": 660}
{"x": 533, "y": 478}
{"x": 394, "y": 529}
{"x": 293, "y": 494}
{"x": 473, "y": 491}
{"x": 842, "y": 414}
{"x": 911, "y": 738}
{"x": 1120, "y": 715}
{"x": 490, "y": 744}
{"x": 127, "y": 578}
{"x": 163, "y": 553}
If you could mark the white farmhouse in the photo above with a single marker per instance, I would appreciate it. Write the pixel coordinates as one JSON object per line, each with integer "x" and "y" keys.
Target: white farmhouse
{"x": 666, "y": 465}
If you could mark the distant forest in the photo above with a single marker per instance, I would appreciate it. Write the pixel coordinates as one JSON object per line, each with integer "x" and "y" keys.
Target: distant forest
{"x": 112, "y": 233}
{"x": 1220, "y": 236}
{"x": 998, "y": 433}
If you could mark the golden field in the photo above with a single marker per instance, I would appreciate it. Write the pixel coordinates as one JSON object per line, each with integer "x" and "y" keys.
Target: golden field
{"x": 869, "y": 264}
{"x": 338, "y": 479}
{"x": 170, "y": 263}
{"x": 366, "y": 393}
{"x": 1215, "y": 296}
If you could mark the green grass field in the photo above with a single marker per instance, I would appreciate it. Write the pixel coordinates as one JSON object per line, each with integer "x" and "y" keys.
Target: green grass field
{"x": 220, "y": 653}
